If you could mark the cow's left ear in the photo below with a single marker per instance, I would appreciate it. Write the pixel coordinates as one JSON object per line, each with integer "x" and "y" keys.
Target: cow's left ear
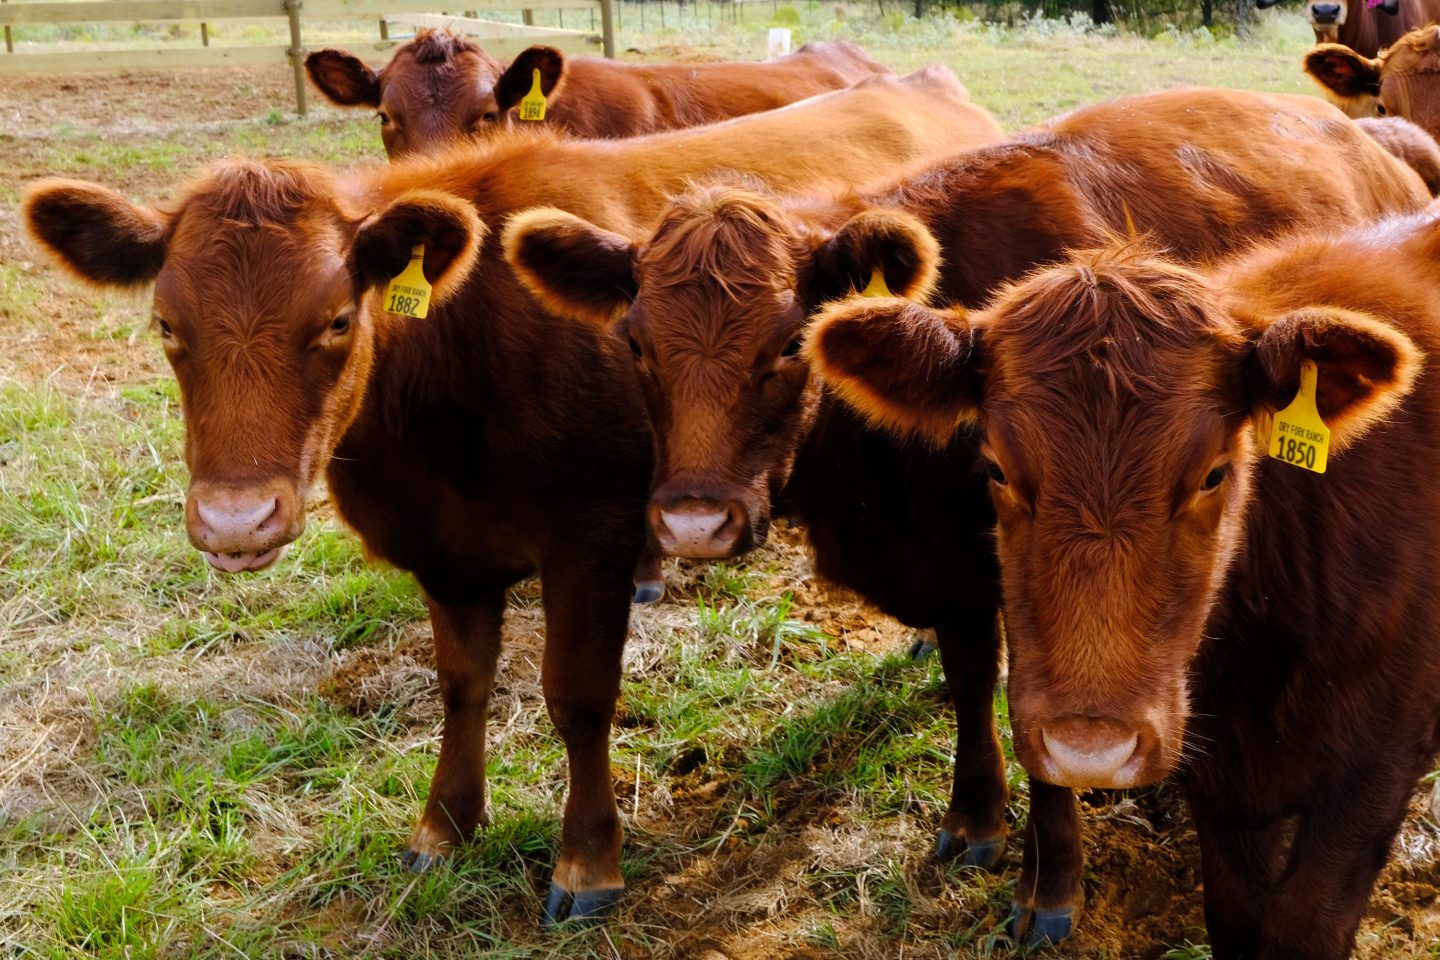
{"x": 905, "y": 367}
{"x": 892, "y": 241}
{"x": 448, "y": 227}
{"x": 1365, "y": 367}
{"x": 519, "y": 77}
{"x": 1343, "y": 72}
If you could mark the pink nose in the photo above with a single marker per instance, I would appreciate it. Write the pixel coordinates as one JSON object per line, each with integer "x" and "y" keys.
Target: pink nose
{"x": 701, "y": 529}
{"x": 242, "y": 529}
{"x": 1085, "y": 752}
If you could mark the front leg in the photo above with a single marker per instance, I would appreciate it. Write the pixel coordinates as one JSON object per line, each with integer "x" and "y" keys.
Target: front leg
{"x": 1048, "y": 897}
{"x": 974, "y": 825}
{"x": 467, "y": 645}
{"x": 587, "y": 606}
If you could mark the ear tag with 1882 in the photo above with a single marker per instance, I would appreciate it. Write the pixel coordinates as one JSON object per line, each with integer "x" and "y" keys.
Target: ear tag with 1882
{"x": 409, "y": 293}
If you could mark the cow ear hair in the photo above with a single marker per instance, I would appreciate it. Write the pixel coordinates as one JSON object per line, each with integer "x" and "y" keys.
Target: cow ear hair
{"x": 343, "y": 78}
{"x": 905, "y": 367}
{"x": 1364, "y": 368}
{"x": 449, "y": 228}
{"x": 95, "y": 233}
{"x": 574, "y": 268}
{"x": 519, "y": 76}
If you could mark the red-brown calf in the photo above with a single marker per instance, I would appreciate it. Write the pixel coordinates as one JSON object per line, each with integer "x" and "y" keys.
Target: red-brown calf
{"x": 441, "y": 87}
{"x": 1399, "y": 82}
{"x": 473, "y": 446}
{"x": 1171, "y": 592}
{"x": 714, "y": 303}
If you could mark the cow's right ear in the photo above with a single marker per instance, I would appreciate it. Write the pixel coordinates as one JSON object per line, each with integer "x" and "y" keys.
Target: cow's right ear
{"x": 343, "y": 78}
{"x": 96, "y": 233}
{"x": 892, "y": 241}
{"x": 904, "y": 366}
{"x": 1343, "y": 72}
{"x": 573, "y": 267}
{"x": 448, "y": 227}
{"x": 519, "y": 77}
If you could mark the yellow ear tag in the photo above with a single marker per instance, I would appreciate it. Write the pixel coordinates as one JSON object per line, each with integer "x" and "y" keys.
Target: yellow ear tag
{"x": 409, "y": 293}
{"x": 1298, "y": 436}
{"x": 877, "y": 286}
{"x": 532, "y": 105}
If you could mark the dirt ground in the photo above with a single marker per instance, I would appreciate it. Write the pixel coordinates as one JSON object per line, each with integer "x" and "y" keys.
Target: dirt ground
{"x": 1142, "y": 881}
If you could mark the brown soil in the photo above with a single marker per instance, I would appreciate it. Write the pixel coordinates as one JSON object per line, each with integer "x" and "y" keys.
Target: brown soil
{"x": 733, "y": 900}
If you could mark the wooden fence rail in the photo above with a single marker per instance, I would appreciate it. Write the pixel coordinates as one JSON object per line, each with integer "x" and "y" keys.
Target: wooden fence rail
{"x": 500, "y": 39}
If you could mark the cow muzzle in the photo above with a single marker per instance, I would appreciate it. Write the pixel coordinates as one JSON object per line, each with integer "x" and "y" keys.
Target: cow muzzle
{"x": 242, "y": 529}
{"x": 699, "y": 528}
{"x": 1093, "y": 752}
{"x": 1324, "y": 14}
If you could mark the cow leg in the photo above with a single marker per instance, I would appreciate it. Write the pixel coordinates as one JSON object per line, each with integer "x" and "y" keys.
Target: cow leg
{"x": 974, "y": 826}
{"x": 1238, "y": 864}
{"x": 467, "y": 645}
{"x": 649, "y": 578}
{"x": 1339, "y": 849}
{"x": 1048, "y": 897}
{"x": 587, "y": 606}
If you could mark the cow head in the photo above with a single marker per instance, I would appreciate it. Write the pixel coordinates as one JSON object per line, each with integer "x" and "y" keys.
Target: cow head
{"x": 436, "y": 89}
{"x": 714, "y": 305}
{"x": 1404, "y": 81}
{"x": 1122, "y": 411}
{"x": 262, "y": 280}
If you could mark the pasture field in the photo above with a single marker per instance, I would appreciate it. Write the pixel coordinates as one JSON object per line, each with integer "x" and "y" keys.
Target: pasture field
{"x": 194, "y": 766}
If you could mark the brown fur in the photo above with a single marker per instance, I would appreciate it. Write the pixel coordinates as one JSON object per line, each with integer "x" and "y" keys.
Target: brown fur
{"x": 441, "y": 87}
{"x": 1402, "y": 81}
{"x": 1409, "y": 143}
{"x": 459, "y": 446}
{"x": 1369, "y": 29}
{"x": 742, "y": 423}
{"x": 1277, "y": 628}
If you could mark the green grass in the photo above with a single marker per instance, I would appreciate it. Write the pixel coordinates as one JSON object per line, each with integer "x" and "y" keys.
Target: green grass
{"x": 196, "y": 766}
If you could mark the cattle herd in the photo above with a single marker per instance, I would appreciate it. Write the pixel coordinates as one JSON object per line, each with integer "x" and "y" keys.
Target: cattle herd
{"x": 1143, "y": 400}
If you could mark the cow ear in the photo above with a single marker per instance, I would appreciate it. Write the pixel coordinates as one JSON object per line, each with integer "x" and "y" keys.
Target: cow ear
{"x": 891, "y": 241}
{"x": 1342, "y": 71}
{"x": 519, "y": 77}
{"x": 1364, "y": 366}
{"x": 448, "y": 227}
{"x": 571, "y": 266}
{"x": 906, "y": 367}
{"x": 96, "y": 233}
{"x": 343, "y": 78}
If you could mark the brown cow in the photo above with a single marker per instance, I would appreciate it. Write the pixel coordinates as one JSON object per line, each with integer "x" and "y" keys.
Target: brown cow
{"x": 1173, "y": 594}
{"x": 474, "y": 446}
{"x": 715, "y": 302}
{"x": 1359, "y": 25}
{"x": 1400, "y": 82}
{"x": 442, "y": 87}
{"x": 1411, "y": 144}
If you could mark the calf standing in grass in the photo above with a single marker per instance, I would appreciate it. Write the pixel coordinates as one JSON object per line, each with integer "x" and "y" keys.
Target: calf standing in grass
{"x": 1177, "y": 599}
{"x": 714, "y": 303}
{"x": 441, "y": 87}
{"x": 477, "y": 439}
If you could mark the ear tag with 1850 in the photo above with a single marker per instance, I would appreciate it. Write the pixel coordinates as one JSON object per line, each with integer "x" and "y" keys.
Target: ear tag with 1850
{"x": 409, "y": 293}
{"x": 1298, "y": 436}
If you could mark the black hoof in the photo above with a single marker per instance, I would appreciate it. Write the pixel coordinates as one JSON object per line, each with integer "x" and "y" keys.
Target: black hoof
{"x": 1040, "y": 928}
{"x": 984, "y": 854}
{"x": 648, "y": 591}
{"x": 417, "y": 862}
{"x": 921, "y": 649}
{"x": 582, "y": 909}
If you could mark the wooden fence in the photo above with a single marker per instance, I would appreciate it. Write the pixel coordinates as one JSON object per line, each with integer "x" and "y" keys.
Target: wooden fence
{"x": 500, "y": 39}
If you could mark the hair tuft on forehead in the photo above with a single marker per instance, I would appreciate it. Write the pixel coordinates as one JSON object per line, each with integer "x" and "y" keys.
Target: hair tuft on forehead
{"x": 260, "y": 192}
{"x": 438, "y": 45}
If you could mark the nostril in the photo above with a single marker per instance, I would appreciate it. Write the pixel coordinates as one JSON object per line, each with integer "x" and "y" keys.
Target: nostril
{"x": 1092, "y": 752}
{"x": 239, "y": 518}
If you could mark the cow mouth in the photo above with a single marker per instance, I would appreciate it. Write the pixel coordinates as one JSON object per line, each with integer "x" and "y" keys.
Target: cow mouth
{"x": 243, "y": 561}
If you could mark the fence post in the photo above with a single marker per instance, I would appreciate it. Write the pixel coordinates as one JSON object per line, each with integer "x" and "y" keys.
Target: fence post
{"x": 9, "y": 40}
{"x": 297, "y": 51}
{"x": 384, "y": 30}
{"x": 607, "y": 26}
{"x": 204, "y": 34}
{"x": 527, "y": 17}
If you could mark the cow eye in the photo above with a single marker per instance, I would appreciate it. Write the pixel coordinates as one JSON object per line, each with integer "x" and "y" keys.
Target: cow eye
{"x": 491, "y": 117}
{"x": 165, "y": 332}
{"x": 384, "y": 118}
{"x": 1215, "y": 477}
{"x": 792, "y": 348}
{"x": 1380, "y": 109}
{"x": 635, "y": 349}
{"x": 340, "y": 324}
{"x": 995, "y": 474}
